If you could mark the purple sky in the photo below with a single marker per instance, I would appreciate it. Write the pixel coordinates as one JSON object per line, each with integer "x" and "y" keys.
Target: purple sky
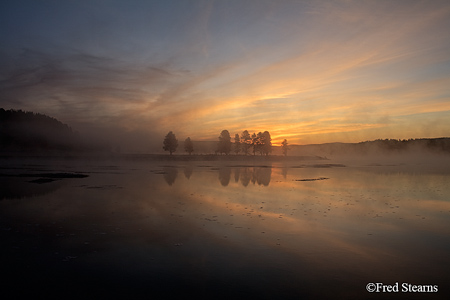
{"x": 308, "y": 71}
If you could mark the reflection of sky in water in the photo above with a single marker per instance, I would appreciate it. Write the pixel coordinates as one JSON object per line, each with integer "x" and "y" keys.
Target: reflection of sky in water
{"x": 254, "y": 229}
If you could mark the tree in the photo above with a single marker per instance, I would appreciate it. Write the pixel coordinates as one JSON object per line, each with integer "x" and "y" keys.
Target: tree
{"x": 237, "y": 144}
{"x": 224, "y": 145}
{"x": 259, "y": 143}
{"x": 266, "y": 143}
{"x": 188, "y": 146}
{"x": 170, "y": 143}
{"x": 254, "y": 143}
{"x": 246, "y": 141}
{"x": 284, "y": 147}
{"x": 262, "y": 143}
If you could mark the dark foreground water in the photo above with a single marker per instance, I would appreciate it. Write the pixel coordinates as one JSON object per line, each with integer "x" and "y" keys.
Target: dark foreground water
{"x": 154, "y": 230}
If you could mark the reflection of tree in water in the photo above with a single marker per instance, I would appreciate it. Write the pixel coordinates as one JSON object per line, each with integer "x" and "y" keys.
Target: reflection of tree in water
{"x": 246, "y": 175}
{"x": 284, "y": 171}
{"x": 224, "y": 176}
{"x": 259, "y": 175}
{"x": 170, "y": 174}
{"x": 188, "y": 170}
{"x": 262, "y": 175}
{"x": 237, "y": 172}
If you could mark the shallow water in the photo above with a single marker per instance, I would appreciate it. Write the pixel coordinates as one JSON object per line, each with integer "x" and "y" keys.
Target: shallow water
{"x": 304, "y": 230}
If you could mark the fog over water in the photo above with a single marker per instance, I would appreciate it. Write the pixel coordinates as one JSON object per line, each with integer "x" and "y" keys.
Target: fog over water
{"x": 301, "y": 229}
{"x": 225, "y": 149}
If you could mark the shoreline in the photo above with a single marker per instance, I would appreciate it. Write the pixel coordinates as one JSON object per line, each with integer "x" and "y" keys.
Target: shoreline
{"x": 161, "y": 157}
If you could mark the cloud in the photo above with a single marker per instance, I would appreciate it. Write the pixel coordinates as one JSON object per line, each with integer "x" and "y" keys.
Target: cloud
{"x": 298, "y": 69}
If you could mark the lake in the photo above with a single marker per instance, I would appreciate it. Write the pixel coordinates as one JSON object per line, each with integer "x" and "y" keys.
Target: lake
{"x": 221, "y": 229}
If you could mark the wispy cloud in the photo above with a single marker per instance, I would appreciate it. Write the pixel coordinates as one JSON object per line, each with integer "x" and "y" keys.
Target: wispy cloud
{"x": 310, "y": 71}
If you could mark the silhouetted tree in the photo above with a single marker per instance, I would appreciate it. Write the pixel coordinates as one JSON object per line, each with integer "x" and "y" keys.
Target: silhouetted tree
{"x": 254, "y": 143}
{"x": 246, "y": 141}
{"x": 266, "y": 143}
{"x": 262, "y": 143}
{"x": 284, "y": 147}
{"x": 237, "y": 144}
{"x": 224, "y": 145}
{"x": 170, "y": 143}
{"x": 259, "y": 142}
{"x": 188, "y": 146}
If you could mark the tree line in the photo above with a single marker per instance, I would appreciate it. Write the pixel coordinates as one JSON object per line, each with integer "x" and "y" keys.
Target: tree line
{"x": 432, "y": 144}
{"x": 28, "y": 132}
{"x": 21, "y": 130}
{"x": 244, "y": 143}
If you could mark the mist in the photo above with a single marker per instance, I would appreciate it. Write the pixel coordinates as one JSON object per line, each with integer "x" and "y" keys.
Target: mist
{"x": 224, "y": 149}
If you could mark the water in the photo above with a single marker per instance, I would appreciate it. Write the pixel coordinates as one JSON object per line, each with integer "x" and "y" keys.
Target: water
{"x": 303, "y": 230}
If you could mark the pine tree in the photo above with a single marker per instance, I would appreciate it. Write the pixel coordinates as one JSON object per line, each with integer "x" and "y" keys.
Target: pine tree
{"x": 170, "y": 143}
{"x": 254, "y": 143}
{"x": 284, "y": 147}
{"x": 266, "y": 143}
{"x": 188, "y": 146}
{"x": 237, "y": 144}
{"x": 246, "y": 141}
{"x": 224, "y": 145}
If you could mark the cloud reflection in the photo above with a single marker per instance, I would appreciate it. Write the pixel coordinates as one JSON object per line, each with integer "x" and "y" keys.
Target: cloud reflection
{"x": 367, "y": 222}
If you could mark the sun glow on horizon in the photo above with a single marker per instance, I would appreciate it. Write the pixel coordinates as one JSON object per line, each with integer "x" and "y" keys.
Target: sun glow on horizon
{"x": 307, "y": 72}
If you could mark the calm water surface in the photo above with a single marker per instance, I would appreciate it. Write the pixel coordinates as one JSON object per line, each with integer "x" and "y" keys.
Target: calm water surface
{"x": 152, "y": 230}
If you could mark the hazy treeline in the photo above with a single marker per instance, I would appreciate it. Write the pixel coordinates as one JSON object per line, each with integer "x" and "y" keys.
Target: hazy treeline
{"x": 29, "y": 132}
{"x": 377, "y": 147}
{"x": 434, "y": 144}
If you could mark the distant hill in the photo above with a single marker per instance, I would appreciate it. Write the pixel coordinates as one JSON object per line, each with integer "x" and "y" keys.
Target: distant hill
{"x": 22, "y": 131}
{"x": 430, "y": 144}
{"x": 380, "y": 146}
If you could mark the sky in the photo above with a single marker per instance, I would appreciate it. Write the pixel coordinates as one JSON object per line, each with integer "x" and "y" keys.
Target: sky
{"x": 306, "y": 71}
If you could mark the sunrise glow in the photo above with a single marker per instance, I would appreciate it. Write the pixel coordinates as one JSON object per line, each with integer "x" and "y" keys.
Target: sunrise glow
{"x": 307, "y": 71}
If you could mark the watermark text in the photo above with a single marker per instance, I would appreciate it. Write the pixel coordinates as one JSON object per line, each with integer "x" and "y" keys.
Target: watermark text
{"x": 379, "y": 287}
